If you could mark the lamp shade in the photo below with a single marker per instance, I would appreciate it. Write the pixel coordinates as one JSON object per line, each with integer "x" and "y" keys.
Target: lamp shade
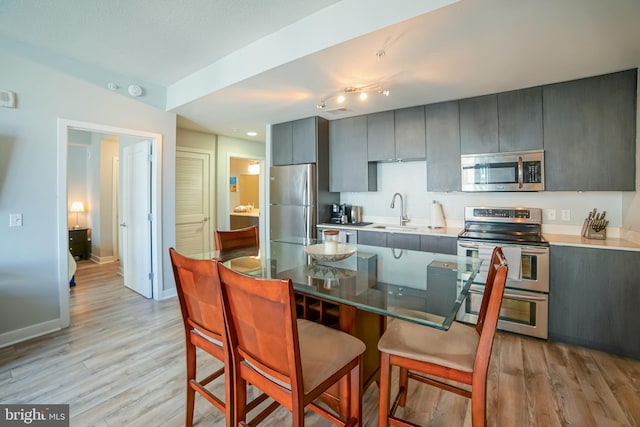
{"x": 77, "y": 207}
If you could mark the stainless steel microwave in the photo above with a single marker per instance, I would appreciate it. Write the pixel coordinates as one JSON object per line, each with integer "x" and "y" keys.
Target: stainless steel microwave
{"x": 515, "y": 171}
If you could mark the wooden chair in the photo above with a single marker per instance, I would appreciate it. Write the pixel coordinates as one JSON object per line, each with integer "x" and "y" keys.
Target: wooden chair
{"x": 292, "y": 360}
{"x": 237, "y": 239}
{"x": 456, "y": 360}
{"x": 198, "y": 285}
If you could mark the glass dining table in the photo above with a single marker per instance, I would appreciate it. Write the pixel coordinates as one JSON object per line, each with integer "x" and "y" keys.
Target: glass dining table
{"x": 422, "y": 287}
{"x": 357, "y": 288}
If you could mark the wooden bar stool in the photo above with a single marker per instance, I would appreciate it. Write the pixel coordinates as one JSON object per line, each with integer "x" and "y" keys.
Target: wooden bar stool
{"x": 237, "y": 239}
{"x": 456, "y": 360}
{"x": 198, "y": 288}
{"x": 292, "y": 360}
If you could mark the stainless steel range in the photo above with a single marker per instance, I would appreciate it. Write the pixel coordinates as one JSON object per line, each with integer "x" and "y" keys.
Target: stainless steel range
{"x": 525, "y": 306}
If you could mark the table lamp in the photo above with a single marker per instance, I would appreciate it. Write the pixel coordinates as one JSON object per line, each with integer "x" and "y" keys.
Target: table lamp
{"x": 77, "y": 207}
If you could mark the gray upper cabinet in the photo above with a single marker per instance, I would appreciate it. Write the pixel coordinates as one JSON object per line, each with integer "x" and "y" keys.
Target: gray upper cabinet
{"x": 295, "y": 142}
{"x": 396, "y": 135}
{"x": 380, "y": 136}
{"x": 281, "y": 144}
{"x": 410, "y": 133}
{"x": 520, "y": 120}
{"x": 590, "y": 133}
{"x": 349, "y": 168}
{"x": 443, "y": 146}
{"x": 479, "y": 125}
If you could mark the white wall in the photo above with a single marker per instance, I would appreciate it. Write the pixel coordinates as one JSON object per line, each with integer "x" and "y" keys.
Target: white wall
{"x": 409, "y": 179}
{"x": 29, "y": 258}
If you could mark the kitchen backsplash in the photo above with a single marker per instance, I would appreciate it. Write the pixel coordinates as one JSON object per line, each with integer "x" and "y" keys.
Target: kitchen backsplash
{"x": 409, "y": 178}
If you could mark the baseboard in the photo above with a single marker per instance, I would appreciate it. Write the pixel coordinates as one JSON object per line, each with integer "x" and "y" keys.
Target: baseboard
{"x": 33, "y": 331}
{"x": 102, "y": 260}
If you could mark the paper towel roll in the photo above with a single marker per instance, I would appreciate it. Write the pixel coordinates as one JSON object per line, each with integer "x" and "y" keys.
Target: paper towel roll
{"x": 437, "y": 216}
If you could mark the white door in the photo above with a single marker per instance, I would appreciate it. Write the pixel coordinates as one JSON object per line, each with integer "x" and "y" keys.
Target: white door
{"x": 193, "y": 225}
{"x": 136, "y": 217}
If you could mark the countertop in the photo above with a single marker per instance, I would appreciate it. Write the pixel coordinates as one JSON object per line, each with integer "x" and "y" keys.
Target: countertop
{"x": 253, "y": 212}
{"x": 395, "y": 228}
{"x": 613, "y": 243}
{"x": 579, "y": 241}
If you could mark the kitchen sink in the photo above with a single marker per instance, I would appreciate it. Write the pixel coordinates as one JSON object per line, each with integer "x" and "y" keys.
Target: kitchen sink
{"x": 394, "y": 227}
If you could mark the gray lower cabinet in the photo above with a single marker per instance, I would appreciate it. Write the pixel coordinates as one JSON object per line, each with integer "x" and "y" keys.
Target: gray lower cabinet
{"x": 594, "y": 297}
{"x": 296, "y": 142}
{"x": 349, "y": 168}
{"x": 590, "y": 133}
{"x": 520, "y": 120}
{"x": 372, "y": 238}
{"x": 440, "y": 244}
{"x": 410, "y": 133}
{"x": 479, "y": 125}
{"x": 403, "y": 241}
{"x": 443, "y": 146}
{"x": 414, "y": 242}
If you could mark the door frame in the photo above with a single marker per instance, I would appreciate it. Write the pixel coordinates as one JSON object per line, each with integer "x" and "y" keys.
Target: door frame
{"x": 226, "y": 223}
{"x": 64, "y": 125}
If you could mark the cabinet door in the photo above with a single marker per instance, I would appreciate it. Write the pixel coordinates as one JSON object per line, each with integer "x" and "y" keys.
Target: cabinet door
{"x": 590, "y": 133}
{"x": 304, "y": 134}
{"x": 520, "y": 119}
{"x": 372, "y": 238}
{"x": 380, "y": 139}
{"x": 439, "y": 244}
{"x": 281, "y": 144}
{"x": 593, "y": 299}
{"x": 410, "y": 133}
{"x": 479, "y": 125}
{"x": 349, "y": 168}
{"x": 443, "y": 146}
{"x": 403, "y": 241}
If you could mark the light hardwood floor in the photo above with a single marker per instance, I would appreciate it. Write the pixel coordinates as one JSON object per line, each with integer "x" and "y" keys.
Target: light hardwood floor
{"x": 121, "y": 363}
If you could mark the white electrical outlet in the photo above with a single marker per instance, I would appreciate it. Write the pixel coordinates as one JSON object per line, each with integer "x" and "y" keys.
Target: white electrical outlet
{"x": 15, "y": 220}
{"x": 565, "y": 215}
{"x": 551, "y": 214}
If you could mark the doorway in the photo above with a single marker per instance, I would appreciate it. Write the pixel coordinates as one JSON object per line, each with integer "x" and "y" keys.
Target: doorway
{"x": 245, "y": 193}
{"x": 153, "y": 193}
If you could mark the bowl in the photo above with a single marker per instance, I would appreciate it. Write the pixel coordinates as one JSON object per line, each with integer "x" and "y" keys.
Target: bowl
{"x": 319, "y": 252}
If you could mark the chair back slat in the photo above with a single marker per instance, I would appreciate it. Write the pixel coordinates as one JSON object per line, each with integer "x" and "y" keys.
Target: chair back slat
{"x": 261, "y": 323}
{"x": 237, "y": 239}
{"x": 490, "y": 322}
{"x": 197, "y": 286}
{"x": 497, "y": 260}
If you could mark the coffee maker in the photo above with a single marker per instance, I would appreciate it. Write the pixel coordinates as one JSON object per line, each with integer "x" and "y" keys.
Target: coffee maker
{"x": 340, "y": 214}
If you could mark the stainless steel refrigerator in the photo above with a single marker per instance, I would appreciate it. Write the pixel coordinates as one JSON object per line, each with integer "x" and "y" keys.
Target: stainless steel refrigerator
{"x": 298, "y": 200}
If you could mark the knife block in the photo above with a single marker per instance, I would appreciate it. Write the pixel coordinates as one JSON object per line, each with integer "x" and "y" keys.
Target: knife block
{"x": 593, "y": 234}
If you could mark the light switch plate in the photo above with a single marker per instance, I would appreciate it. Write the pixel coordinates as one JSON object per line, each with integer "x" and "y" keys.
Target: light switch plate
{"x": 15, "y": 220}
{"x": 551, "y": 214}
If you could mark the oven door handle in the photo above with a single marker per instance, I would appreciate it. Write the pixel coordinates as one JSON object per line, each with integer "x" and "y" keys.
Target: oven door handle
{"x": 520, "y": 172}
{"x": 468, "y": 245}
{"x": 524, "y": 298}
{"x": 510, "y": 296}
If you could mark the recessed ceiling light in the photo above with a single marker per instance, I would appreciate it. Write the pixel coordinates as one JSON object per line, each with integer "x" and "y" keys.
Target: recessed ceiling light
{"x": 252, "y": 133}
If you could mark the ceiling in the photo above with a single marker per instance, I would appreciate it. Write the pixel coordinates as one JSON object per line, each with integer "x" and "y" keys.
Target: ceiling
{"x": 227, "y": 67}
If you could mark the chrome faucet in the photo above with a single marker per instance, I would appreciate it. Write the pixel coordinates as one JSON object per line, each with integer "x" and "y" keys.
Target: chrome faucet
{"x": 403, "y": 218}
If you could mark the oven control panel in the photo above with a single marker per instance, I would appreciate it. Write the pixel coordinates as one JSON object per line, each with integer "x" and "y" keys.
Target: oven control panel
{"x": 490, "y": 214}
